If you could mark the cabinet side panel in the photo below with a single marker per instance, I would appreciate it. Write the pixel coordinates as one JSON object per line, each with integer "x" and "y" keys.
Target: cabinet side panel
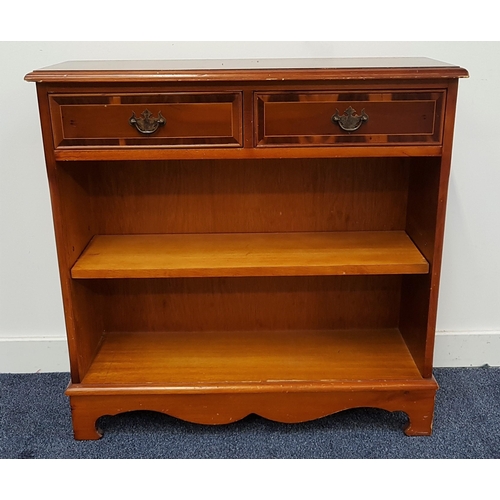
{"x": 427, "y": 198}
{"x": 73, "y": 227}
{"x": 421, "y": 227}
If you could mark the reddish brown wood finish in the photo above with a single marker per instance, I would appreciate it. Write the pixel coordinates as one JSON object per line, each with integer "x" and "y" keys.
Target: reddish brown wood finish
{"x": 268, "y": 70}
{"x": 214, "y": 408}
{"x": 192, "y": 119}
{"x": 240, "y": 360}
{"x": 249, "y": 156}
{"x": 305, "y": 118}
{"x": 274, "y": 153}
{"x": 249, "y": 254}
{"x": 246, "y": 304}
{"x": 254, "y": 196}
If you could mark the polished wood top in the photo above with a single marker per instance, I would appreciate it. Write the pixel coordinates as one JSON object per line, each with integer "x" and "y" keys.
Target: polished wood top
{"x": 247, "y": 70}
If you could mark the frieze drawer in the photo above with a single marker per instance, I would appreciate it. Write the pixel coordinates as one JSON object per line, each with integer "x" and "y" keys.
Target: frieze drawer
{"x": 147, "y": 120}
{"x": 348, "y": 118}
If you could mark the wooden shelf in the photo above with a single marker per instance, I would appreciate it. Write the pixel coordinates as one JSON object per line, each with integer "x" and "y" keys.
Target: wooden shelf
{"x": 184, "y": 361}
{"x": 249, "y": 254}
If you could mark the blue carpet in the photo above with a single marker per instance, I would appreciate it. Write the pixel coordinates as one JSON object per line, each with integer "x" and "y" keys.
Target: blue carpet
{"x": 35, "y": 422}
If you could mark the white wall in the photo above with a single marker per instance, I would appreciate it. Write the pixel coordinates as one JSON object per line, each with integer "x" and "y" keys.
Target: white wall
{"x": 31, "y": 319}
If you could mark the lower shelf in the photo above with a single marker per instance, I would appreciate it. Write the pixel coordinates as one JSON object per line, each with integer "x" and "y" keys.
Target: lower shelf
{"x": 218, "y": 360}
{"x": 221, "y": 377}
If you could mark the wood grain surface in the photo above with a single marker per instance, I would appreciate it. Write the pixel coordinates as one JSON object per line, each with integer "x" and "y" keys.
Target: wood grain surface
{"x": 217, "y": 359}
{"x": 249, "y": 254}
{"x": 264, "y": 262}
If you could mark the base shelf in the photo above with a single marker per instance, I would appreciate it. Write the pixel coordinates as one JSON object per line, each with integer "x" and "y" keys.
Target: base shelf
{"x": 249, "y": 361}
{"x": 217, "y": 378}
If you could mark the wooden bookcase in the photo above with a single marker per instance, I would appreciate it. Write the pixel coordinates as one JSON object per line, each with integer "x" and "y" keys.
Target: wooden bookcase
{"x": 241, "y": 237}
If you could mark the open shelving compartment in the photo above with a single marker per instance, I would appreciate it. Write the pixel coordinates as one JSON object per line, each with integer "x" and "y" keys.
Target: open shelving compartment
{"x": 250, "y": 279}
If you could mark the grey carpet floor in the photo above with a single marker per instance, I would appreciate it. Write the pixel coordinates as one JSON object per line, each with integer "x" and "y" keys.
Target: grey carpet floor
{"x": 35, "y": 423}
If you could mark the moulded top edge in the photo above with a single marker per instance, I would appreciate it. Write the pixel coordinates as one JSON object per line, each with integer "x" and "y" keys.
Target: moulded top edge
{"x": 247, "y": 70}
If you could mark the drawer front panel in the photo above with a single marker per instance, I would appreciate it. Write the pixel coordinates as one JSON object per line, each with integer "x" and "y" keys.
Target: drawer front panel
{"x": 189, "y": 120}
{"x": 312, "y": 118}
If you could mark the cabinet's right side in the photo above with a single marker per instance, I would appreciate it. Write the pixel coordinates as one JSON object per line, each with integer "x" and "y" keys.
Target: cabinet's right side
{"x": 425, "y": 223}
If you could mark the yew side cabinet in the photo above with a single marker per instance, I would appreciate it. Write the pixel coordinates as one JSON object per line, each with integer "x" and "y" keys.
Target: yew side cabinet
{"x": 240, "y": 237}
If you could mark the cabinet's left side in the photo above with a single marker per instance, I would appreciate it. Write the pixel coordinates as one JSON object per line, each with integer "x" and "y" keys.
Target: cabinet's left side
{"x": 74, "y": 226}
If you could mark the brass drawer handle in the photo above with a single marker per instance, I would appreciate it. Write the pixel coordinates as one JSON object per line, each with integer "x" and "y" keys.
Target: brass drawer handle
{"x": 350, "y": 121}
{"x": 147, "y": 124}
